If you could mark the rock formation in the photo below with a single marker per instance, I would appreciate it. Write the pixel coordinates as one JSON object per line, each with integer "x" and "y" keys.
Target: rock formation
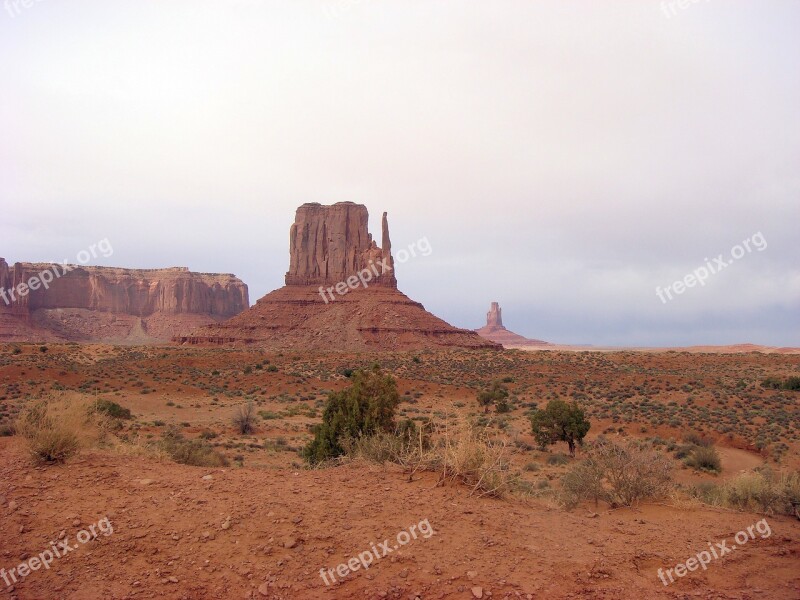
{"x": 325, "y": 305}
{"x": 83, "y": 303}
{"x": 496, "y": 332}
{"x": 329, "y": 243}
{"x": 494, "y": 318}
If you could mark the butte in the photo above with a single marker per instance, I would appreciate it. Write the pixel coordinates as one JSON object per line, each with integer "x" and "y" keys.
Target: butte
{"x": 329, "y": 245}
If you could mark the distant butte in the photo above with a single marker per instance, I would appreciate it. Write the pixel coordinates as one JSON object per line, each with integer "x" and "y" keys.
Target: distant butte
{"x": 496, "y": 332}
{"x": 328, "y": 247}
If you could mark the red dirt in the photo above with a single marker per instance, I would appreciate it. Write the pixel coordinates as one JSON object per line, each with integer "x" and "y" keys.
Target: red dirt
{"x": 285, "y": 525}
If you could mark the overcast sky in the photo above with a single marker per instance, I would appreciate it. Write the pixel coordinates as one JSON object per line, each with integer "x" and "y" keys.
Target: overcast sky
{"x": 564, "y": 158}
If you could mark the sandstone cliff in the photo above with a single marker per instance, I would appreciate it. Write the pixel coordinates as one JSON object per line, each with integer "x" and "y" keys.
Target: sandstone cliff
{"x": 114, "y": 304}
{"x": 496, "y": 332}
{"x": 327, "y": 246}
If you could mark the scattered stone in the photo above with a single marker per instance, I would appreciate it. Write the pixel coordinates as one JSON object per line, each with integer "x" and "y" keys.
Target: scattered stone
{"x": 477, "y": 591}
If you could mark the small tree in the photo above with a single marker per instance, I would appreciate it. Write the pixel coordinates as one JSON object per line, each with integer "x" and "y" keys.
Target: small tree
{"x": 365, "y": 408}
{"x": 560, "y": 422}
{"x": 492, "y": 395}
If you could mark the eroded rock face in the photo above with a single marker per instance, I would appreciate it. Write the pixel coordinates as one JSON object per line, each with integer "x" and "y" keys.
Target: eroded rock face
{"x": 82, "y": 302}
{"x": 139, "y": 292}
{"x": 328, "y": 244}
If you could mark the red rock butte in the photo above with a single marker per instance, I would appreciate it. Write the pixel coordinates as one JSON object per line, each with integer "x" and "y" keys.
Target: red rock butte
{"x": 496, "y": 332}
{"x": 109, "y": 304}
{"x": 329, "y": 246}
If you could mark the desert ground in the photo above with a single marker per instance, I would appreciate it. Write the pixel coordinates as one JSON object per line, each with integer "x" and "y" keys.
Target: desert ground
{"x": 264, "y": 524}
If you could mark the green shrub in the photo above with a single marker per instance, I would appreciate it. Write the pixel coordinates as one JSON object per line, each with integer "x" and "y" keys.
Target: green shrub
{"x": 705, "y": 459}
{"x": 365, "y": 408}
{"x": 793, "y": 383}
{"x": 494, "y": 394}
{"x": 773, "y": 383}
{"x": 112, "y": 409}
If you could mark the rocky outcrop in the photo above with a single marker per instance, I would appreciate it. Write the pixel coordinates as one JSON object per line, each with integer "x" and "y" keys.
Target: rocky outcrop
{"x": 494, "y": 318}
{"x": 327, "y": 244}
{"x": 496, "y": 332}
{"x": 330, "y": 245}
{"x": 81, "y": 302}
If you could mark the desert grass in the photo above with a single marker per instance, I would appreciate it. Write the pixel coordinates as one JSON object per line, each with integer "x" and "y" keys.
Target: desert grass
{"x": 761, "y": 491}
{"x": 465, "y": 453}
{"x": 56, "y": 428}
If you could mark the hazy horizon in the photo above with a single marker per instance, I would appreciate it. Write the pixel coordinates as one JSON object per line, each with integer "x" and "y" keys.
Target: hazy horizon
{"x": 564, "y": 160}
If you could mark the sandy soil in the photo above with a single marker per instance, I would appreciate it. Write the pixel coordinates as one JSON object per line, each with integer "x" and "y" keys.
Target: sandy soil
{"x": 186, "y": 532}
{"x": 265, "y": 526}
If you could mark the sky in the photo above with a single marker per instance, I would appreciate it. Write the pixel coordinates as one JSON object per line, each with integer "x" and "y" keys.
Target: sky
{"x": 565, "y": 159}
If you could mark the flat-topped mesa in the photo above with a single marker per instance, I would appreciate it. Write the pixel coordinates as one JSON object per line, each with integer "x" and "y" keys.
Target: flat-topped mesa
{"x": 494, "y": 318}
{"x": 328, "y": 244}
{"x": 138, "y": 292}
